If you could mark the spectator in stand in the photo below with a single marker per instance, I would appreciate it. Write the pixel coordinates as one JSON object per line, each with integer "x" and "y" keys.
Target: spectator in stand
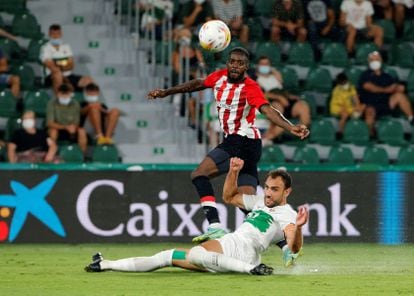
{"x": 271, "y": 82}
{"x": 345, "y": 101}
{"x": 320, "y": 22}
{"x": 63, "y": 118}
{"x": 102, "y": 119}
{"x": 57, "y": 57}
{"x": 8, "y": 79}
{"x": 288, "y": 21}
{"x": 30, "y": 144}
{"x": 401, "y": 8}
{"x": 356, "y": 18}
{"x": 381, "y": 93}
{"x": 231, "y": 12}
{"x": 382, "y": 9}
{"x": 195, "y": 13}
{"x": 5, "y": 34}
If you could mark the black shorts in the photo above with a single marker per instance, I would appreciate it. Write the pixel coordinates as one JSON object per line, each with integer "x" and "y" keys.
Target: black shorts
{"x": 247, "y": 149}
{"x": 65, "y": 136}
{"x": 73, "y": 79}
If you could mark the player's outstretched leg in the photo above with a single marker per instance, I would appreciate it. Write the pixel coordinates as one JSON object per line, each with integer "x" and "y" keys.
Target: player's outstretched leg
{"x": 262, "y": 269}
{"x": 95, "y": 266}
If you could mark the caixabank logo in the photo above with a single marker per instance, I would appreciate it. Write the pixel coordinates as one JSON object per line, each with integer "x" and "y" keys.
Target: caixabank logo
{"x": 15, "y": 208}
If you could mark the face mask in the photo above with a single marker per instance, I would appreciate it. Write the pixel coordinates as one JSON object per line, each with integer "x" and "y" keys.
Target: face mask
{"x": 264, "y": 69}
{"x": 28, "y": 123}
{"x": 345, "y": 86}
{"x": 64, "y": 101}
{"x": 375, "y": 65}
{"x": 91, "y": 99}
{"x": 56, "y": 41}
{"x": 199, "y": 1}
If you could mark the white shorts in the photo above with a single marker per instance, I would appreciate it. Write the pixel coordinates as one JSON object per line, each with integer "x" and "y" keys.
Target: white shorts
{"x": 235, "y": 247}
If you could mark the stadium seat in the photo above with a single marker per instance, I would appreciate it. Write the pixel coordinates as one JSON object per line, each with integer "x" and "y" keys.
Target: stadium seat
{"x": 319, "y": 80}
{"x": 255, "y": 30}
{"x": 362, "y": 51}
{"x": 12, "y": 125}
{"x": 401, "y": 55}
{"x": 335, "y": 55}
{"x": 391, "y": 72}
{"x": 391, "y": 132}
{"x": 7, "y": 104}
{"x": 27, "y": 76}
{"x": 270, "y": 50}
{"x": 389, "y": 30}
{"x": 375, "y": 155}
{"x": 306, "y": 155}
{"x": 37, "y": 102}
{"x": 26, "y": 25}
{"x": 301, "y": 54}
{"x": 310, "y": 99}
{"x": 71, "y": 153}
{"x": 410, "y": 82}
{"x": 322, "y": 132}
{"x": 290, "y": 79}
{"x": 13, "y": 6}
{"x": 340, "y": 156}
{"x": 356, "y": 132}
{"x": 406, "y": 156}
{"x": 408, "y": 34}
{"x": 263, "y": 8}
{"x": 33, "y": 50}
{"x": 105, "y": 153}
{"x": 10, "y": 49}
{"x": 161, "y": 52}
{"x": 353, "y": 75}
{"x": 272, "y": 154}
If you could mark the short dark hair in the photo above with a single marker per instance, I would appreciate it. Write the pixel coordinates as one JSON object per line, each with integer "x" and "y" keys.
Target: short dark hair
{"x": 241, "y": 50}
{"x": 54, "y": 27}
{"x": 65, "y": 88}
{"x": 341, "y": 78}
{"x": 92, "y": 87}
{"x": 263, "y": 57}
{"x": 286, "y": 177}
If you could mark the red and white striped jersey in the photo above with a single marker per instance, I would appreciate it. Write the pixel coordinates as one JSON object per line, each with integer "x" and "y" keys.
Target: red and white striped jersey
{"x": 236, "y": 103}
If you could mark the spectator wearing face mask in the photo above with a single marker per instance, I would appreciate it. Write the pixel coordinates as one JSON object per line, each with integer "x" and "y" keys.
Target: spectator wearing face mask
{"x": 381, "y": 92}
{"x": 271, "y": 82}
{"x": 57, "y": 57}
{"x": 344, "y": 101}
{"x": 63, "y": 118}
{"x": 30, "y": 144}
{"x": 102, "y": 119}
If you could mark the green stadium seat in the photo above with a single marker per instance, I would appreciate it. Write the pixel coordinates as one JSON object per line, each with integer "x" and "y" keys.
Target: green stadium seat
{"x": 375, "y": 155}
{"x": 319, "y": 80}
{"x": 362, "y": 51}
{"x": 310, "y": 99}
{"x": 356, "y": 132}
{"x": 71, "y": 153}
{"x": 27, "y": 76}
{"x": 290, "y": 79}
{"x": 391, "y": 72}
{"x": 306, "y": 155}
{"x": 13, "y": 6}
{"x": 255, "y": 30}
{"x": 161, "y": 52}
{"x": 10, "y": 49}
{"x": 335, "y": 55}
{"x": 406, "y": 156}
{"x": 105, "y": 153}
{"x": 322, "y": 132}
{"x": 33, "y": 50}
{"x": 401, "y": 55}
{"x": 391, "y": 132}
{"x": 37, "y": 102}
{"x": 301, "y": 54}
{"x": 272, "y": 154}
{"x": 12, "y": 125}
{"x": 353, "y": 75}
{"x": 389, "y": 30}
{"x": 26, "y": 25}
{"x": 410, "y": 82}
{"x": 340, "y": 156}
{"x": 408, "y": 34}
{"x": 7, "y": 104}
{"x": 263, "y": 8}
{"x": 270, "y": 50}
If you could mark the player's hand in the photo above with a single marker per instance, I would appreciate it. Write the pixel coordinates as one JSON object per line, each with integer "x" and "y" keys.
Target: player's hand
{"x": 300, "y": 131}
{"x": 236, "y": 164}
{"x": 156, "y": 93}
{"x": 302, "y": 216}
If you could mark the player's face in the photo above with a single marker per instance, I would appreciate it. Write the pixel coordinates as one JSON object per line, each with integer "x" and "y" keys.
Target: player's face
{"x": 237, "y": 65}
{"x": 275, "y": 192}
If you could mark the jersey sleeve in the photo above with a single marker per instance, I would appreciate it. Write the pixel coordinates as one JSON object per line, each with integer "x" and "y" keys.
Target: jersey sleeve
{"x": 211, "y": 79}
{"x": 250, "y": 201}
{"x": 286, "y": 217}
{"x": 255, "y": 96}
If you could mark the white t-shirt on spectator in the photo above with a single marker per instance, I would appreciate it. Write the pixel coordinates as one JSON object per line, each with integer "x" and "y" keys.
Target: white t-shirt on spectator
{"x": 408, "y": 3}
{"x": 49, "y": 52}
{"x": 356, "y": 13}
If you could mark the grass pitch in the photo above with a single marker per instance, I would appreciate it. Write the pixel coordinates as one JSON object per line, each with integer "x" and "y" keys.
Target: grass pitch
{"x": 324, "y": 269}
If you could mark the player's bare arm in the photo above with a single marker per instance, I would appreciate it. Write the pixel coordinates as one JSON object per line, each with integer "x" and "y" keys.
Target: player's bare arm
{"x": 231, "y": 195}
{"x": 277, "y": 118}
{"x": 293, "y": 233}
{"x": 189, "y": 86}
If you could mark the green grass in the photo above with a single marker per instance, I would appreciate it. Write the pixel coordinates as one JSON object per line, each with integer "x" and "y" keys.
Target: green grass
{"x": 324, "y": 269}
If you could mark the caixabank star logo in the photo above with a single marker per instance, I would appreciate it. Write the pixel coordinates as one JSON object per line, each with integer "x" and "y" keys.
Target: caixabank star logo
{"x": 27, "y": 202}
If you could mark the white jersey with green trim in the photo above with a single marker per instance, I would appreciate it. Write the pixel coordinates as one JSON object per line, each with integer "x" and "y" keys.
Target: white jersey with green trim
{"x": 263, "y": 225}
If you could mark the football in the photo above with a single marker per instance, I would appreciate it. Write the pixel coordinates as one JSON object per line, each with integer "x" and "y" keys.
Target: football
{"x": 214, "y": 36}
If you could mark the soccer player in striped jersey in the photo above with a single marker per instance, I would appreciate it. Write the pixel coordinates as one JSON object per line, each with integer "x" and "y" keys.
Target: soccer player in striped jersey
{"x": 237, "y": 98}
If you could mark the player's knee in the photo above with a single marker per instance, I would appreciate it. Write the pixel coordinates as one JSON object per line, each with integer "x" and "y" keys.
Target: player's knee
{"x": 195, "y": 255}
